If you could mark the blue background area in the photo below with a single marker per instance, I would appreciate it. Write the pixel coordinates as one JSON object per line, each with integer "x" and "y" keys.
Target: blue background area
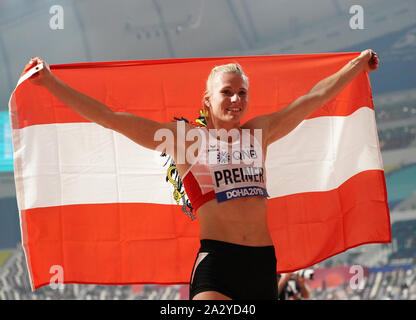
{"x": 400, "y": 184}
{"x": 10, "y": 225}
{"x": 6, "y": 147}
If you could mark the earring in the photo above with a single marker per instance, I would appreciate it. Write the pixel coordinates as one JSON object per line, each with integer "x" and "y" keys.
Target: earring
{"x": 203, "y": 113}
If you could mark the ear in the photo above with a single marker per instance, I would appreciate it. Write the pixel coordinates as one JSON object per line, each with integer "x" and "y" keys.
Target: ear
{"x": 205, "y": 101}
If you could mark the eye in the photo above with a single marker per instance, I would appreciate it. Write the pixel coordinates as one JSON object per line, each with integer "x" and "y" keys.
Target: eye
{"x": 227, "y": 92}
{"x": 242, "y": 93}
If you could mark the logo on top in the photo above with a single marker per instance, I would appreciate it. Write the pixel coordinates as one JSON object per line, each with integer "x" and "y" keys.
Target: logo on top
{"x": 223, "y": 157}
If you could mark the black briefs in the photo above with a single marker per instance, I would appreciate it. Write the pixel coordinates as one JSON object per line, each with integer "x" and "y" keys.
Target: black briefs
{"x": 237, "y": 271}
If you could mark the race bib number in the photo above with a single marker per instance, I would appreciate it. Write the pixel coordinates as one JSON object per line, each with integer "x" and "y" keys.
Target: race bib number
{"x": 237, "y": 169}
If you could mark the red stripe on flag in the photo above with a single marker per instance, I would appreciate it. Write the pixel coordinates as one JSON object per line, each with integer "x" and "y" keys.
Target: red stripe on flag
{"x": 308, "y": 228}
{"x": 111, "y": 243}
{"x": 153, "y": 90}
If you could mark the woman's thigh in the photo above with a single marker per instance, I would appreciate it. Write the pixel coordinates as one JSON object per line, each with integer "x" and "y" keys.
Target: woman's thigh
{"x": 210, "y": 295}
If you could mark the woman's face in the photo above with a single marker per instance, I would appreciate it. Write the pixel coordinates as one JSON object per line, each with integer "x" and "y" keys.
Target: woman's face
{"x": 228, "y": 99}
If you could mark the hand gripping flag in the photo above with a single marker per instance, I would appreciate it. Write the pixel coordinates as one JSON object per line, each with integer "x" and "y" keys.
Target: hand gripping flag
{"x": 101, "y": 207}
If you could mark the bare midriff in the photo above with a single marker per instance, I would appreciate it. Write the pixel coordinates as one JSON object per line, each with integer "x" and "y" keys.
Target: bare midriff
{"x": 240, "y": 221}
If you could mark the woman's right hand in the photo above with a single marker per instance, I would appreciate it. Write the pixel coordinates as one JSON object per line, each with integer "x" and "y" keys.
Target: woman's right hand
{"x": 41, "y": 77}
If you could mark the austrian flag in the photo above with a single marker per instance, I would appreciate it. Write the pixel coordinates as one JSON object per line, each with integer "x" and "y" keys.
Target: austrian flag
{"x": 108, "y": 211}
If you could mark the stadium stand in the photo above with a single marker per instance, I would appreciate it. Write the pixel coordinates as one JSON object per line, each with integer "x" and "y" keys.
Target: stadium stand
{"x": 396, "y": 125}
{"x": 405, "y": 240}
{"x": 396, "y": 138}
{"x": 400, "y": 111}
{"x": 396, "y": 119}
{"x": 407, "y": 204}
{"x": 385, "y": 283}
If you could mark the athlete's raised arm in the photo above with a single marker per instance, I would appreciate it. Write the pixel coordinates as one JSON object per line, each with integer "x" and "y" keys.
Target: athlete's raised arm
{"x": 138, "y": 129}
{"x": 278, "y": 124}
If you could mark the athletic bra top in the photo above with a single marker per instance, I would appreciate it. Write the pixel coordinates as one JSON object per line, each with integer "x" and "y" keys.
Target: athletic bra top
{"x": 226, "y": 171}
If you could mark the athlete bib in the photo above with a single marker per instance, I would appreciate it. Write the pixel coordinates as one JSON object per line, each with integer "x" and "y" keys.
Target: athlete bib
{"x": 237, "y": 169}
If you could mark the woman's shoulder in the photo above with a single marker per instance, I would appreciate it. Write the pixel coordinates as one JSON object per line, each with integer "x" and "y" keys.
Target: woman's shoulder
{"x": 255, "y": 123}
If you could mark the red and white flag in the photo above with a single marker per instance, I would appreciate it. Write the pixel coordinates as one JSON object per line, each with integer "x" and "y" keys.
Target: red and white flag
{"x": 101, "y": 208}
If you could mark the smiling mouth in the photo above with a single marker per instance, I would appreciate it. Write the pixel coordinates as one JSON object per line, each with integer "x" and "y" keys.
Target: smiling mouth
{"x": 234, "y": 109}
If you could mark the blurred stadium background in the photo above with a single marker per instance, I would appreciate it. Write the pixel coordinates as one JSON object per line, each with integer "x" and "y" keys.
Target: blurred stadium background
{"x": 105, "y": 30}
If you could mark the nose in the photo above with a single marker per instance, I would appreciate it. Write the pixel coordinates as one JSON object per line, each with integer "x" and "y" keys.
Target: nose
{"x": 235, "y": 98}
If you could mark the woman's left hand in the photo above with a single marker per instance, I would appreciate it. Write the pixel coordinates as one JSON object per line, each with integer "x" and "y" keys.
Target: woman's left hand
{"x": 370, "y": 59}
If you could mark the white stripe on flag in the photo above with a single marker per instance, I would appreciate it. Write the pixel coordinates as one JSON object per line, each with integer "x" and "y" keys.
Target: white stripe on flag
{"x": 83, "y": 163}
{"x": 322, "y": 153}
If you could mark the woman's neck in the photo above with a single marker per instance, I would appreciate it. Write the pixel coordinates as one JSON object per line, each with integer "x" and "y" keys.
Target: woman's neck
{"x": 225, "y": 132}
{"x": 223, "y": 125}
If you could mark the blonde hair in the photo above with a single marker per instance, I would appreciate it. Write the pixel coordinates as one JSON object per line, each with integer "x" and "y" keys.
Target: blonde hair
{"x": 231, "y": 68}
{"x": 224, "y": 68}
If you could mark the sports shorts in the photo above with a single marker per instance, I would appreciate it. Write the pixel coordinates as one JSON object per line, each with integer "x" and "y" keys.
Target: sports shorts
{"x": 237, "y": 271}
